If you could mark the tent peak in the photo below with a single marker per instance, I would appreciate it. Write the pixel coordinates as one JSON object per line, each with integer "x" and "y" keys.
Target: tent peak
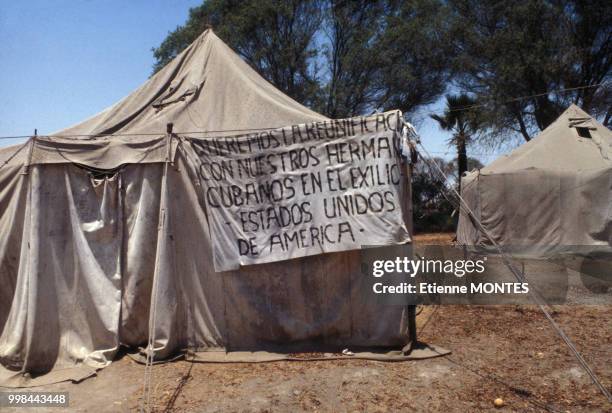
{"x": 208, "y": 30}
{"x": 574, "y": 141}
{"x": 574, "y": 110}
{"x": 205, "y": 87}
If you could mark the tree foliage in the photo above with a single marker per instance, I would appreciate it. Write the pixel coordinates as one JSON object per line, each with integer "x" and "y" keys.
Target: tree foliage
{"x": 418, "y": 54}
{"x": 431, "y": 195}
{"x": 344, "y": 58}
{"x": 535, "y": 48}
{"x": 352, "y": 54}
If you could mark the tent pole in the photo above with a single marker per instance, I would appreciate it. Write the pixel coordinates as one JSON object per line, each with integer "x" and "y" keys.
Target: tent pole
{"x": 161, "y": 228}
{"x": 411, "y": 308}
{"x": 412, "y": 330}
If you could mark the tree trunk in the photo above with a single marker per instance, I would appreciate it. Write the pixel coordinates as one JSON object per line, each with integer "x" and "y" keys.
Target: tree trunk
{"x": 461, "y": 156}
{"x": 545, "y": 112}
{"x": 522, "y": 126}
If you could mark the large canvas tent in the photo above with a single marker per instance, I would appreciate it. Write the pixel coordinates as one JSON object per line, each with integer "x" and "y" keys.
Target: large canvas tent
{"x": 95, "y": 215}
{"x": 552, "y": 195}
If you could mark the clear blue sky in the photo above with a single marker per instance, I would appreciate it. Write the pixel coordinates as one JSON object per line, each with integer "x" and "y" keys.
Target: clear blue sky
{"x": 66, "y": 60}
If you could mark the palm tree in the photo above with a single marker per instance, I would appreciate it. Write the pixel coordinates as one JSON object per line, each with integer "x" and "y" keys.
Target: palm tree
{"x": 460, "y": 117}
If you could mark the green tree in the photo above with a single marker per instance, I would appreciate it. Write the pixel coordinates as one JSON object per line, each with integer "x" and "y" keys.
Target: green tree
{"x": 460, "y": 117}
{"x": 339, "y": 57}
{"x": 352, "y": 53}
{"x": 385, "y": 55}
{"x": 418, "y": 54}
{"x": 474, "y": 163}
{"x": 431, "y": 197}
{"x": 533, "y": 48}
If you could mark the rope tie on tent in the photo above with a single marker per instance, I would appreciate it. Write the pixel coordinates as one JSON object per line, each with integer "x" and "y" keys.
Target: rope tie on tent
{"x": 540, "y": 301}
{"x": 150, "y": 350}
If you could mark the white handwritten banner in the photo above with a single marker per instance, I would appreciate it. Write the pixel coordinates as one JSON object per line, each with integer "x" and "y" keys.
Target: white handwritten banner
{"x": 303, "y": 190}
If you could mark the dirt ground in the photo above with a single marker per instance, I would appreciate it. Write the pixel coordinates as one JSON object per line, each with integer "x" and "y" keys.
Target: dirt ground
{"x": 509, "y": 352}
